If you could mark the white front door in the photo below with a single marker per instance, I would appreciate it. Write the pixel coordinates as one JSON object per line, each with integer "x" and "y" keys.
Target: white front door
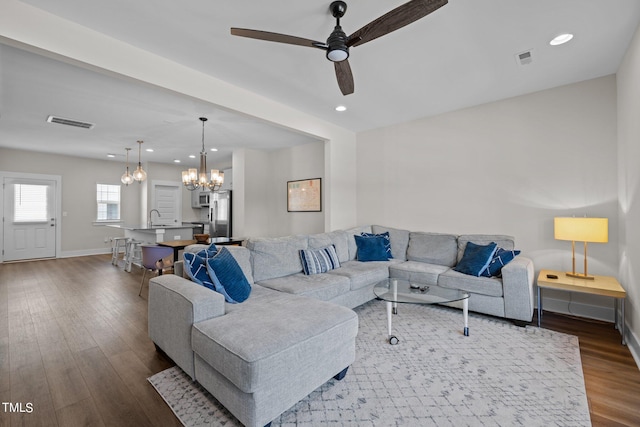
{"x": 168, "y": 201}
{"x": 29, "y": 226}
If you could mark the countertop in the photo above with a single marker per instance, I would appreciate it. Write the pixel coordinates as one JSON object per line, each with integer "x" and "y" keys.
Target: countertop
{"x": 146, "y": 228}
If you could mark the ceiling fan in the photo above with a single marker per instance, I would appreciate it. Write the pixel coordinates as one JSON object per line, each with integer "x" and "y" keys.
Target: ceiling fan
{"x": 338, "y": 43}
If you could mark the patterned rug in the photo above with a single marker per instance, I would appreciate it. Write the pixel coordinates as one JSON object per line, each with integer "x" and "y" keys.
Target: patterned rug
{"x": 501, "y": 375}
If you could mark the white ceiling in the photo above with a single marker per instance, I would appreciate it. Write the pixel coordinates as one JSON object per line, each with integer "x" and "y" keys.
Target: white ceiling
{"x": 463, "y": 54}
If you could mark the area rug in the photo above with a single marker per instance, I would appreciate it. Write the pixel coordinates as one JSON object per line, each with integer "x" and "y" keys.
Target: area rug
{"x": 500, "y": 375}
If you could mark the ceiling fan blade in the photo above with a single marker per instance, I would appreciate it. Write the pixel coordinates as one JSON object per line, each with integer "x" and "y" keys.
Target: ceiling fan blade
{"x": 344, "y": 76}
{"x": 276, "y": 37}
{"x": 395, "y": 19}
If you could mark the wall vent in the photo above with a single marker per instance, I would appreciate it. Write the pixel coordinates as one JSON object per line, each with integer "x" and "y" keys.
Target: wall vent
{"x": 524, "y": 58}
{"x": 70, "y": 122}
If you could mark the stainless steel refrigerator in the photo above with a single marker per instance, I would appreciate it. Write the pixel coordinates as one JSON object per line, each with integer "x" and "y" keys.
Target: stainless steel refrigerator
{"x": 220, "y": 214}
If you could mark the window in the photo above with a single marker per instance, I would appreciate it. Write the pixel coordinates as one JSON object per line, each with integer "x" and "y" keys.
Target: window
{"x": 30, "y": 203}
{"x": 108, "y": 198}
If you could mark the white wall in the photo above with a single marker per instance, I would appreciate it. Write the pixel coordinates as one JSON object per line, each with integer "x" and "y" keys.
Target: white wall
{"x": 260, "y": 193}
{"x": 629, "y": 186}
{"x": 506, "y": 167}
{"x": 302, "y": 162}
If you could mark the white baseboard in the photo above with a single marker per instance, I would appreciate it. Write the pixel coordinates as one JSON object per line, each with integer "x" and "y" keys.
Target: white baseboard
{"x": 634, "y": 346}
{"x": 86, "y": 252}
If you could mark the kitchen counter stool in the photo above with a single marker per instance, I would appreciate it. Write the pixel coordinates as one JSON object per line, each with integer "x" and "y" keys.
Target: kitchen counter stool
{"x": 133, "y": 254}
{"x": 118, "y": 243}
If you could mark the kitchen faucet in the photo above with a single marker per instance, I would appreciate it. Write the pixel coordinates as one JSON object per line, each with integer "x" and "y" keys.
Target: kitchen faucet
{"x": 149, "y": 222}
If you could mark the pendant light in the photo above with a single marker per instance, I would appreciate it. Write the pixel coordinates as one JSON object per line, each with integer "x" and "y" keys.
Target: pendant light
{"x": 197, "y": 178}
{"x": 127, "y": 178}
{"x": 139, "y": 175}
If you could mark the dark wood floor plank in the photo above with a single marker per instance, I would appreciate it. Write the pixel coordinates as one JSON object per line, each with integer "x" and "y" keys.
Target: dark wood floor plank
{"x": 29, "y": 386}
{"x": 134, "y": 373}
{"x": 83, "y": 413}
{"x": 5, "y": 370}
{"x": 77, "y": 336}
{"x": 5, "y": 396}
{"x": 115, "y": 403}
{"x": 66, "y": 383}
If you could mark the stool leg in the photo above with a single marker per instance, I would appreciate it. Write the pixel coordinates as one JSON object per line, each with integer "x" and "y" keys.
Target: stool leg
{"x": 128, "y": 255}
{"x": 142, "y": 282}
{"x": 114, "y": 253}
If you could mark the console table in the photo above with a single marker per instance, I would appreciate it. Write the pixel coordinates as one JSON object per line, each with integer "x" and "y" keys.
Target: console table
{"x": 601, "y": 285}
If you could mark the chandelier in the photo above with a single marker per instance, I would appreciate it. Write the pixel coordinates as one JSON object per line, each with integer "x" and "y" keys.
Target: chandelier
{"x": 139, "y": 174}
{"x": 198, "y": 178}
{"x": 127, "y": 178}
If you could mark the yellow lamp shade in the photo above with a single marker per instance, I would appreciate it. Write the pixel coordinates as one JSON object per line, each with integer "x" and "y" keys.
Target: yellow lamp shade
{"x": 594, "y": 230}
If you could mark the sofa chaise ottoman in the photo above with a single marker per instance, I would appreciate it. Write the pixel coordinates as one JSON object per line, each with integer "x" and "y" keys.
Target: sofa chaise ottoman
{"x": 258, "y": 358}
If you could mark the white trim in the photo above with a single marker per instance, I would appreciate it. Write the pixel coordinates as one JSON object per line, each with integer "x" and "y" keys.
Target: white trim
{"x": 105, "y": 223}
{"x": 58, "y": 211}
{"x": 84, "y": 252}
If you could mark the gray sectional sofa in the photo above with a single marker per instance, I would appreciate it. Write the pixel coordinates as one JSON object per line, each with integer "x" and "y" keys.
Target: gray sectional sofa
{"x": 296, "y": 331}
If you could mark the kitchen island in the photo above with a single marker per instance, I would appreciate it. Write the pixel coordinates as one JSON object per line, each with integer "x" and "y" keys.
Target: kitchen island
{"x": 156, "y": 233}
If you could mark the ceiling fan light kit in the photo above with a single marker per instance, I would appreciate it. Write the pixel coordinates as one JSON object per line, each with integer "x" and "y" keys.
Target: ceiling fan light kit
{"x": 338, "y": 43}
{"x": 337, "y": 49}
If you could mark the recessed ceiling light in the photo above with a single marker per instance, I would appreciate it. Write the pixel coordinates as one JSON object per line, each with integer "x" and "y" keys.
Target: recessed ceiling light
{"x": 214, "y": 149}
{"x": 111, "y": 155}
{"x": 561, "y": 39}
{"x": 176, "y": 161}
{"x": 191, "y": 156}
{"x": 150, "y": 150}
{"x": 341, "y": 108}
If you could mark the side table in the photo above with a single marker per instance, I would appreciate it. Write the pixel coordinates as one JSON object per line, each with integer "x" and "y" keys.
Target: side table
{"x": 600, "y": 285}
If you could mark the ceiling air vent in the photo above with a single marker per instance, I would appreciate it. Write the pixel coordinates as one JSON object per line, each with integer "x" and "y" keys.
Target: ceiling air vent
{"x": 70, "y": 122}
{"x": 524, "y": 58}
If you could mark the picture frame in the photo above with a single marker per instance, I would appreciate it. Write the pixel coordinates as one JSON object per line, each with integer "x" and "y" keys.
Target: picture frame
{"x": 304, "y": 195}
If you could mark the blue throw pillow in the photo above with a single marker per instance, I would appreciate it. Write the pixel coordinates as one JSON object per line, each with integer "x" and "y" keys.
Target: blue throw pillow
{"x": 476, "y": 258}
{"x": 208, "y": 252}
{"x": 225, "y": 269}
{"x": 315, "y": 261}
{"x": 196, "y": 269}
{"x": 501, "y": 258}
{"x": 371, "y": 248}
{"x": 387, "y": 241}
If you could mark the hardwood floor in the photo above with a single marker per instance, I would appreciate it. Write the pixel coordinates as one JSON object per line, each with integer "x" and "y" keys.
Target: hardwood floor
{"x": 74, "y": 345}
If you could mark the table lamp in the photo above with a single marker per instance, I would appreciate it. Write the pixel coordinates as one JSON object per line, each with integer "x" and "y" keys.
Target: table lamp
{"x": 594, "y": 230}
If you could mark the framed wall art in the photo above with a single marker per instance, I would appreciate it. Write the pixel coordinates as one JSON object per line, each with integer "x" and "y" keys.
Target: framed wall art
{"x": 304, "y": 195}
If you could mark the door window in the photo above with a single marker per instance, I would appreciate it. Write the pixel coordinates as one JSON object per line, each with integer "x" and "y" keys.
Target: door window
{"x": 30, "y": 203}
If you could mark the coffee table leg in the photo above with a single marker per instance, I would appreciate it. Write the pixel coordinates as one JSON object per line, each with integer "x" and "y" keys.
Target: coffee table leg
{"x": 393, "y": 340}
{"x": 465, "y": 313}
{"x": 389, "y": 316}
